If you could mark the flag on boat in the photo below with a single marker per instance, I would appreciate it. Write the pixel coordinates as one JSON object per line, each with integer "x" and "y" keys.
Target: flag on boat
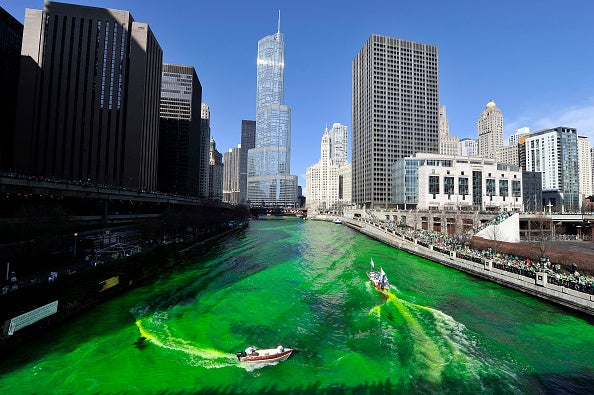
{"x": 372, "y": 264}
{"x": 382, "y": 273}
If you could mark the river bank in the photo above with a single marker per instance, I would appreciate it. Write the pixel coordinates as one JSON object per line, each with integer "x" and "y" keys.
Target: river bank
{"x": 72, "y": 295}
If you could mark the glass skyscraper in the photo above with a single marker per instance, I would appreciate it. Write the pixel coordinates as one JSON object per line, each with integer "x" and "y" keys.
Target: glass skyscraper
{"x": 269, "y": 180}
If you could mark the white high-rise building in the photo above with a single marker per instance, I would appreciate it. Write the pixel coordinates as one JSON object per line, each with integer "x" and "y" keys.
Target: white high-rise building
{"x": 468, "y": 147}
{"x": 231, "y": 175}
{"x": 490, "y": 131}
{"x": 328, "y": 182}
{"x": 554, "y": 153}
{"x": 448, "y": 145}
{"x": 514, "y": 139}
{"x": 584, "y": 166}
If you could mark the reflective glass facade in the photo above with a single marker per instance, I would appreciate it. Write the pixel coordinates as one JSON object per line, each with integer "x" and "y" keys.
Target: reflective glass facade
{"x": 268, "y": 176}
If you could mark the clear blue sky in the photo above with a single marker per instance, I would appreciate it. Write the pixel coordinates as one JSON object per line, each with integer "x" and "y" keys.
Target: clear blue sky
{"x": 534, "y": 58}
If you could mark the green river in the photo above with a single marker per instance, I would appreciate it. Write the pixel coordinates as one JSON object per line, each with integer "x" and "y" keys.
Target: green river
{"x": 303, "y": 284}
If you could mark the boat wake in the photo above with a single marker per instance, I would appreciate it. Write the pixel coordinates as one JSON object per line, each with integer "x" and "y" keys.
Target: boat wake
{"x": 442, "y": 346}
{"x": 204, "y": 357}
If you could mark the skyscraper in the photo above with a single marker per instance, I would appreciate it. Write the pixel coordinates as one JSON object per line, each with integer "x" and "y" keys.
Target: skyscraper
{"x": 11, "y": 37}
{"x": 490, "y": 131}
{"x": 231, "y": 166}
{"x": 89, "y": 89}
{"x": 248, "y": 141}
{"x": 395, "y": 107}
{"x": 467, "y": 147}
{"x": 448, "y": 145}
{"x": 554, "y": 153}
{"x": 204, "y": 165}
{"x": 269, "y": 162}
{"x": 179, "y": 130}
{"x": 584, "y": 166}
{"x": 329, "y": 181}
{"x": 215, "y": 172}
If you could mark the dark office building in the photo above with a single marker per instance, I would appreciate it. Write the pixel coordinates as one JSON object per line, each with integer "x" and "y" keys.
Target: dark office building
{"x": 248, "y": 141}
{"x": 89, "y": 89}
{"x": 179, "y": 131}
{"x": 11, "y": 36}
{"x": 532, "y": 190}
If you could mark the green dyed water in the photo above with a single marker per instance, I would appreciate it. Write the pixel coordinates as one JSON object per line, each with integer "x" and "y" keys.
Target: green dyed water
{"x": 303, "y": 284}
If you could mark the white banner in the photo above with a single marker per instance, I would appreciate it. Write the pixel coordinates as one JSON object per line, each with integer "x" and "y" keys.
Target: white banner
{"x": 32, "y": 317}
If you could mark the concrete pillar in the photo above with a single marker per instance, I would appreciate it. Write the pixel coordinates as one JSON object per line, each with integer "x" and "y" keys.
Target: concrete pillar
{"x": 488, "y": 264}
{"x": 541, "y": 279}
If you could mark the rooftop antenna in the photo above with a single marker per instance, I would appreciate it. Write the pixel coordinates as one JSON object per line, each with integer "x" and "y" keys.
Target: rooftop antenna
{"x": 278, "y": 21}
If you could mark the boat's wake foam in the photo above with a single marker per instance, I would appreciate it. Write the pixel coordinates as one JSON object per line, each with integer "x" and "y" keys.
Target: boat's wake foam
{"x": 440, "y": 344}
{"x": 197, "y": 356}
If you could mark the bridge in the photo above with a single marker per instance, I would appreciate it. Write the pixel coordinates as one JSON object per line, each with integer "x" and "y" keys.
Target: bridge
{"x": 279, "y": 211}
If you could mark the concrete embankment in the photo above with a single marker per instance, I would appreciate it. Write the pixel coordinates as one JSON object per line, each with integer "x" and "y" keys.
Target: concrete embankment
{"x": 72, "y": 295}
{"x": 539, "y": 286}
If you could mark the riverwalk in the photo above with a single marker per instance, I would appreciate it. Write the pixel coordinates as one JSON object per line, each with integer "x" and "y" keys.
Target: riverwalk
{"x": 543, "y": 284}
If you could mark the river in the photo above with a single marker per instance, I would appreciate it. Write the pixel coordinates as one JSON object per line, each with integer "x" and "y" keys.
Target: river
{"x": 303, "y": 284}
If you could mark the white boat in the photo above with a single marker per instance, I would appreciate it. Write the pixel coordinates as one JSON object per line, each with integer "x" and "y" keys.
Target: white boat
{"x": 337, "y": 221}
{"x": 265, "y": 355}
{"x": 379, "y": 279}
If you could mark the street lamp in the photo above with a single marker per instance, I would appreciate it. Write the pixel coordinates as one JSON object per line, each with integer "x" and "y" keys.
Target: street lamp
{"x": 75, "y": 236}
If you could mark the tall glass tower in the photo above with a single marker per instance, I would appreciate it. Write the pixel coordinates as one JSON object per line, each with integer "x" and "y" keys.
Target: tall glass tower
{"x": 269, "y": 180}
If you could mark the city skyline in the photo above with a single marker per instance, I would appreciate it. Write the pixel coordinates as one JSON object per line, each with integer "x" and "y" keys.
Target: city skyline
{"x": 525, "y": 56}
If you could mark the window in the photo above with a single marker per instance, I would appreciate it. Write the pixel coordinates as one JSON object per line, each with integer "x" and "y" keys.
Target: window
{"x": 490, "y": 186}
{"x": 516, "y": 188}
{"x": 503, "y": 188}
{"x": 434, "y": 184}
{"x": 448, "y": 185}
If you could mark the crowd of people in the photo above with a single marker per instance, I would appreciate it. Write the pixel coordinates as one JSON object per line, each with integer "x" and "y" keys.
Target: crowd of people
{"x": 445, "y": 243}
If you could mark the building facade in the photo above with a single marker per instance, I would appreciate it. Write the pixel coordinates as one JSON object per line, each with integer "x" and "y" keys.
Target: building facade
{"x": 490, "y": 131}
{"x": 269, "y": 178}
{"x": 440, "y": 182}
{"x": 532, "y": 191}
{"x": 231, "y": 175}
{"x": 179, "y": 130}
{"x": 248, "y": 141}
{"x": 329, "y": 181}
{"x": 554, "y": 153}
{"x": 395, "y": 109}
{"x": 514, "y": 139}
{"x": 468, "y": 147}
{"x": 509, "y": 154}
{"x": 11, "y": 37}
{"x": 584, "y": 167}
{"x": 89, "y": 90}
{"x": 448, "y": 145}
{"x": 204, "y": 165}
{"x": 215, "y": 173}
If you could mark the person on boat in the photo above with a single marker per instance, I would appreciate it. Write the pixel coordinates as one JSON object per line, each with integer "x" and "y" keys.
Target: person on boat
{"x": 250, "y": 350}
{"x": 280, "y": 348}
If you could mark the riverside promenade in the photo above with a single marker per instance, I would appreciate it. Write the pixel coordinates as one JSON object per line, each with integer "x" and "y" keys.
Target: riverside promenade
{"x": 539, "y": 286}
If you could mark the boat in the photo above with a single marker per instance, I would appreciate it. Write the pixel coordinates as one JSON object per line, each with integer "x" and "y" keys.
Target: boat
{"x": 379, "y": 279}
{"x": 337, "y": 221}
{"x": 265, "y": 355}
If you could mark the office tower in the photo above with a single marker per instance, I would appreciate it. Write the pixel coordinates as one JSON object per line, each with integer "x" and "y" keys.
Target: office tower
{"x": 204, "y": 165}
{"x": 554, "y": 153}
{"x": 490, "y": 131}
{"x": 327, "y": 186}
{"x": 89, "y": 89}
{"x": 248, "y": 141}
{"x": 515, "y": 138}
{"x": 532, "y": 191}
{"x": 269, "y": 162}
{"x": 468, "y": 147}
{"x": 179, "y": 130}
{"x": 231, "y": 175}
{"x": 509, "y": 154}
{"x": 11, "y": 36}
{"x": 592, "y": 163}
{"x": 395, "y": 108}
{"x": 215, "y": 173}
{"x": 584, "y": 167}
{"x": 448, "y": 145}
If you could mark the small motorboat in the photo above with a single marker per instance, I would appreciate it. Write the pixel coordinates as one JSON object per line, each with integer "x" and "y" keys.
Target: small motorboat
{"x": 337, "y": 221}
{"x": 379, "y": 279}
{"x": 265, "y": 355}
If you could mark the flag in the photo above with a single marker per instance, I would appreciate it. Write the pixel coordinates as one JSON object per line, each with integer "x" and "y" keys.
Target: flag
{"x": 372, "y": 264}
